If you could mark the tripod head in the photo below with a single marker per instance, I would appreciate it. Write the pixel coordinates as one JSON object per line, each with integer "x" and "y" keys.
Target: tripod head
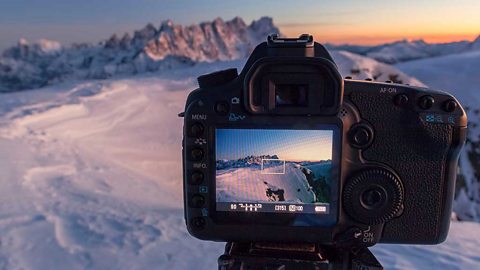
{"x": 261, "y": 256}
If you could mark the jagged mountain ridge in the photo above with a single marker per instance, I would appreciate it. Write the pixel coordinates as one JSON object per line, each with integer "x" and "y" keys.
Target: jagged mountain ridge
{"x": 404, "y": 50}
{"x": 244, "y": 162}
{"x": 34, "y": 65}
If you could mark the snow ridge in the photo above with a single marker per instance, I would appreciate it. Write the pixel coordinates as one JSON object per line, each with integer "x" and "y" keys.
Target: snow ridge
{"x": 41, "y": 63}
{"x": 404, "y": 50}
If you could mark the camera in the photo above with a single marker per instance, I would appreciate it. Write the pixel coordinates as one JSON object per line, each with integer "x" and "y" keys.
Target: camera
{"x": 288, "y": 151}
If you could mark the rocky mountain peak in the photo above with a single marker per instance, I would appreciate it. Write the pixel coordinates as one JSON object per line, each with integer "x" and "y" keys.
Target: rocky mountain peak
{"x": 171, "y": 45}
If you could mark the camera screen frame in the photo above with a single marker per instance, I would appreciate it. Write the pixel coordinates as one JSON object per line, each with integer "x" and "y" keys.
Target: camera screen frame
{"x": 285, "y": 218}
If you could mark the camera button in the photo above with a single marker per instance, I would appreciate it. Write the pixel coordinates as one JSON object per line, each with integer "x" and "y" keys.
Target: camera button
{"x": 222, "y": 108}
{"x": 400, "y": 100}
{"x": 196, "y": 154}
{"x": 197, "y": 201}
{"x": 196, "y": 178}
{"x": 198, "y": 222}
{"x": 450, "y": 105}
{"x": 360, "y": 136}
{"x": 196, "y": 130}
{"x": 426, "y": 102}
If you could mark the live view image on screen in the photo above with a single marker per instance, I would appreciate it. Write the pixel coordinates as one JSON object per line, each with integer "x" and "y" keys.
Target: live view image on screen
{"x": 271, "y": 170}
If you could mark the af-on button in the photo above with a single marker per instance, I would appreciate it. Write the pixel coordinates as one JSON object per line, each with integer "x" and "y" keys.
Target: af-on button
{"x": 400, "y": 100}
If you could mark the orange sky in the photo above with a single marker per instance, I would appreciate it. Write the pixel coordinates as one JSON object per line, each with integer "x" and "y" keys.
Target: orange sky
{"x": 341, "y": 35}
{"x": 376, "y": 22}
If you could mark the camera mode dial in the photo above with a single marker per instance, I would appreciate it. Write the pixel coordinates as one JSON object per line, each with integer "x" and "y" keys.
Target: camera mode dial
{"x": 373, "y": 196}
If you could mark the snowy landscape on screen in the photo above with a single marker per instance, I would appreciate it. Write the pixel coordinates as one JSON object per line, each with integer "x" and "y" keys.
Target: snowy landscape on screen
{"x": 90, "y": 170}
{"x": 285, "y": 181}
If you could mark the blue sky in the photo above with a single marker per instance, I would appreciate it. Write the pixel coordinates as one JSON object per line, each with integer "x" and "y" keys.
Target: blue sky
{"x": 291, "y": 145}
{"x": 336, "y": 21}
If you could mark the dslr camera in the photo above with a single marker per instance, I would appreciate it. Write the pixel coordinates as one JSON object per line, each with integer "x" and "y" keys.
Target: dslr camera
{"x": 288, "y": 151}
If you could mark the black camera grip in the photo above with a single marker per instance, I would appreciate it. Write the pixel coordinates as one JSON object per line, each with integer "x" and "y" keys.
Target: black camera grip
{"x": 418, "y": 152}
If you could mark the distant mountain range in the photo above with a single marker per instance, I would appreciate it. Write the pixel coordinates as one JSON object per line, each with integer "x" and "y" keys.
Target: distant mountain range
{"x": 404, "y": 50}
{"x": 247, "y": 161}
{"x": 34, "y": 65}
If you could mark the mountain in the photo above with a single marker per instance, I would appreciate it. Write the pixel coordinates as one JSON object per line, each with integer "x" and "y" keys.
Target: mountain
{"x": 459, "y": 74}
{"x": 33, "y": 65}
{"x": 248, "y": 161}
{"x": 404, "y": 50}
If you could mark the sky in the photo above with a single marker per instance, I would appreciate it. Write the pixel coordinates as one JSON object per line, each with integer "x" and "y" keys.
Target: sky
{"x": 290, "y": 145}
{"x": 354, "y": 22}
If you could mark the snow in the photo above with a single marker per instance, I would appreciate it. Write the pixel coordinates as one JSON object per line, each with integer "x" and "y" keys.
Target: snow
{"x": 457, "y": 74}
{"x": 90, "y": 177}
{"x": 405, "y": 50}
{"x": 459, "y": 251}
{"x": 361, "y": 67}
{"x": 85, "y": 183}
{"x": 255, "y": 182}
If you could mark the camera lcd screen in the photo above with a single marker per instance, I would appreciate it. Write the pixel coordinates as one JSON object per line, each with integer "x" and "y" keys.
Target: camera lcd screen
{"x": 274, "y": 170}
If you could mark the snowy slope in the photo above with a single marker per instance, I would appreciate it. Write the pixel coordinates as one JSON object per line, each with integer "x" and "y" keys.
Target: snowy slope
{"x": 81, "y": 185}
{"x": 90, "y": 177}
{"x": 459, "y": 74}
{"x": 361, "y": 67}
{"x": 255, "y": 182}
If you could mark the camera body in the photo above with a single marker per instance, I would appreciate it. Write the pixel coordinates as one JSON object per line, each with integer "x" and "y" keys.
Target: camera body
{"x": 288, "y": 151}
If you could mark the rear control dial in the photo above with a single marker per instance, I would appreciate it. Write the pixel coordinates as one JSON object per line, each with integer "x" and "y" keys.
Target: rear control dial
{"x": 373, "y": 196}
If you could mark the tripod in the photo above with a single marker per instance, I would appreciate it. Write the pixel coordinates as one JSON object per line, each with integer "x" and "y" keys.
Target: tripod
{"x": 272, "y": 256}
